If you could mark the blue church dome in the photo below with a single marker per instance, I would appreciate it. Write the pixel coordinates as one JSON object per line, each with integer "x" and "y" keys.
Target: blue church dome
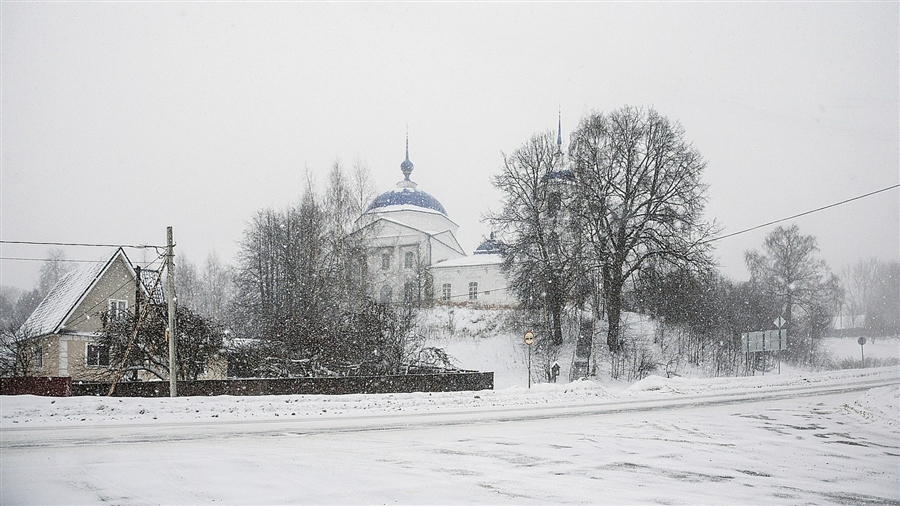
{"x": 407, "y": 196}
{"x": 406, "y": 192}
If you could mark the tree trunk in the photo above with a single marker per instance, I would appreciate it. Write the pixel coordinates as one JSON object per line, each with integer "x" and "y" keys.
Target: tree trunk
{"x": 555, "y": 298}
{"x": 613, "y": 319}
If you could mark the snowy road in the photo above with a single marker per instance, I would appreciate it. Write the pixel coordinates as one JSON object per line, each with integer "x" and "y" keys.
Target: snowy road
{"x": 111, "y": 432}
{"x": 767, "y": 441}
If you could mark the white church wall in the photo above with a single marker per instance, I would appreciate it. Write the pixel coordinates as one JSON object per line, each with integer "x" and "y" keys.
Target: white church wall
{"x": 490, "y": 289}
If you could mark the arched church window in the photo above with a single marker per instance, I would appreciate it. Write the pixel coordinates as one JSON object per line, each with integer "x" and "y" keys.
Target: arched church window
{"x": 387, "y": 293}
{"x": 445, "y": 291}
{"x": 473, "y": 290}
{"x": 385, "y": 261}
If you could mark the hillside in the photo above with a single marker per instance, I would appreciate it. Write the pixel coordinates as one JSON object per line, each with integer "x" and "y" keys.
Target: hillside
{"x": 491, "y": 340}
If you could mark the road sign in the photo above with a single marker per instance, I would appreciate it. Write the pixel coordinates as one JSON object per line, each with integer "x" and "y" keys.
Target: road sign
{"x": 529, "y": 338}
{"x": 764, "y": 340}
{"x": 861, "y": 341}
{"x": 779, "y": 322}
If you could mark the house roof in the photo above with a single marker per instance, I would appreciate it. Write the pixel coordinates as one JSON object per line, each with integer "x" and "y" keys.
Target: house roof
{"x": 67, "y": 294}
{"x": 152, "y": 281}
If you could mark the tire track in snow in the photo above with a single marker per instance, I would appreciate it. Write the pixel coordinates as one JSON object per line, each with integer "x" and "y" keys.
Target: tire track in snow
{"x": 119, "y": 433}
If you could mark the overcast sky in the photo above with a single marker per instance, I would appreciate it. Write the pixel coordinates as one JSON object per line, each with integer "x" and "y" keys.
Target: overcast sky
{"x": 119, "y": 119}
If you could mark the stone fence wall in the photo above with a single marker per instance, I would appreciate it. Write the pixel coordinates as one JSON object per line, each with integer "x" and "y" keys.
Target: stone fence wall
{"x": 440, "y": 382}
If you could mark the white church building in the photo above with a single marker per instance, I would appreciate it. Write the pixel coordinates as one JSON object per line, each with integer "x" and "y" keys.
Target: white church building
{"x": 414, "y": 256}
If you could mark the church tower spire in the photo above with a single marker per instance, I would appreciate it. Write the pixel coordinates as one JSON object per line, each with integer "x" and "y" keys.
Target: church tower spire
{"x": 559, "y": 132}
{"x": 407, "y": 166}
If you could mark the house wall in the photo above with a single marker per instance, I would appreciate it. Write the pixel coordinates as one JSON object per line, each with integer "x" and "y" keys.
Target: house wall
{"x": 117, "y": 283}
{"x": 66, "y": 355}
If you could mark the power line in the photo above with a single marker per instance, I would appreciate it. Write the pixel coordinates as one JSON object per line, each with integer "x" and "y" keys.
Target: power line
{"x": 39, "y": 243}
{"x": 803, "y": 213}
{"x": 62, "y": 260}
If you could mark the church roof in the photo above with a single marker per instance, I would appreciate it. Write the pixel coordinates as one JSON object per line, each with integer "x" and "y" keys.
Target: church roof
{"x": 407, "y": 196}
{"x": 477, "y": 260}
{"x": 406, "y": 193}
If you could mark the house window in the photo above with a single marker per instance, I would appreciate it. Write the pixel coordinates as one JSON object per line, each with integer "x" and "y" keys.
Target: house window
{"x": 409, "y": 260}
{"x": 38, "y": 359}
{"x": 117, "y": 308}
{"x": 445, "y": 291}
{"x": 385, "y": 261}
{"x": 97, "y": 356}
{"x": 386, "y": 294}
{"x": 473, "y": 290}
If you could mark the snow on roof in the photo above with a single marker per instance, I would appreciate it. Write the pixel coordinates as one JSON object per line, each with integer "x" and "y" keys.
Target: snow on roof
{"x": 149, "y": 279}
{"x": 471, "y": 261}
{"x": 64, "y": 295}
{"x": 407, "y": 197}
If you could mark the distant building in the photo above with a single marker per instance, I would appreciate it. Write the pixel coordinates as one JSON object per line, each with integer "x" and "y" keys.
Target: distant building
{"x": 414, "y": 256}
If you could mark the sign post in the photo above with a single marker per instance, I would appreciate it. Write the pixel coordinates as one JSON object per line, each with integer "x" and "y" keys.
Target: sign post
{"x": 764, "y": 341}
{"x": 779, "y": 322}
{"x": 862, "y": 342}
{"x": 529, "y": 340}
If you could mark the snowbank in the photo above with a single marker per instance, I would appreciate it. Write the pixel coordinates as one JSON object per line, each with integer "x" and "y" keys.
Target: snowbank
{"x": 33, "y": 410}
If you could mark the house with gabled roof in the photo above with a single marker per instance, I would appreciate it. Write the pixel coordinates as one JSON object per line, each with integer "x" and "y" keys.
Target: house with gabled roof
{"x": 66, "y": 324}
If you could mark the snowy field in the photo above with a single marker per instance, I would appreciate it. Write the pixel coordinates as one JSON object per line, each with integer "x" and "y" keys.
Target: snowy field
{"x": 799, "y": 437}
{"x": 819, "y": 438}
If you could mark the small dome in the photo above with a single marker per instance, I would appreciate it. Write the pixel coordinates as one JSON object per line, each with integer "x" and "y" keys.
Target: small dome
{"x": 489, "y": 247}
{"x": 407, "y": 167}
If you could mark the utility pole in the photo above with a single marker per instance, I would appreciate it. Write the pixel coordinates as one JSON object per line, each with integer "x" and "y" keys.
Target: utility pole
{"x": 138, "y": 293}
{"x": 170, "y": 299}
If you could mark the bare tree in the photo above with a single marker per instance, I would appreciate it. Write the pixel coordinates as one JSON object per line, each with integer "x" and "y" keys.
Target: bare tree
{"x": 18, "y": 351}
{"x": 858, "y": 281}
{"x": 147, "y": 350}
{"x": 362, "y": 187}
{"x": 53, "y": 269}
{"x": 801, "y": 287}
{"x": 872, "y": 288}
{"x": 539, "y": 245}
{"x": 216, "y": 289}
{"x": 640, "y": 199}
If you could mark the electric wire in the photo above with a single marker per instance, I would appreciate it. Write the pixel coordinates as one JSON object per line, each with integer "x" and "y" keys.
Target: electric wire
{"x": 829, "y": 206}
{"x": 60, "y": 260}
{"x": 91, "y": 245}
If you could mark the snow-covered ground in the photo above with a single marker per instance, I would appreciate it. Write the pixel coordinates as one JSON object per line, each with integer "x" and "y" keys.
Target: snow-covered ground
{"x": 830, "y": 437}
{"x": 821, "y": 438}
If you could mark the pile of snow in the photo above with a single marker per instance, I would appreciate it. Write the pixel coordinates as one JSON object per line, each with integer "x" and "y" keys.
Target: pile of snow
{"x": 878, "y": 407}
{"x": 880, "y": 404}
